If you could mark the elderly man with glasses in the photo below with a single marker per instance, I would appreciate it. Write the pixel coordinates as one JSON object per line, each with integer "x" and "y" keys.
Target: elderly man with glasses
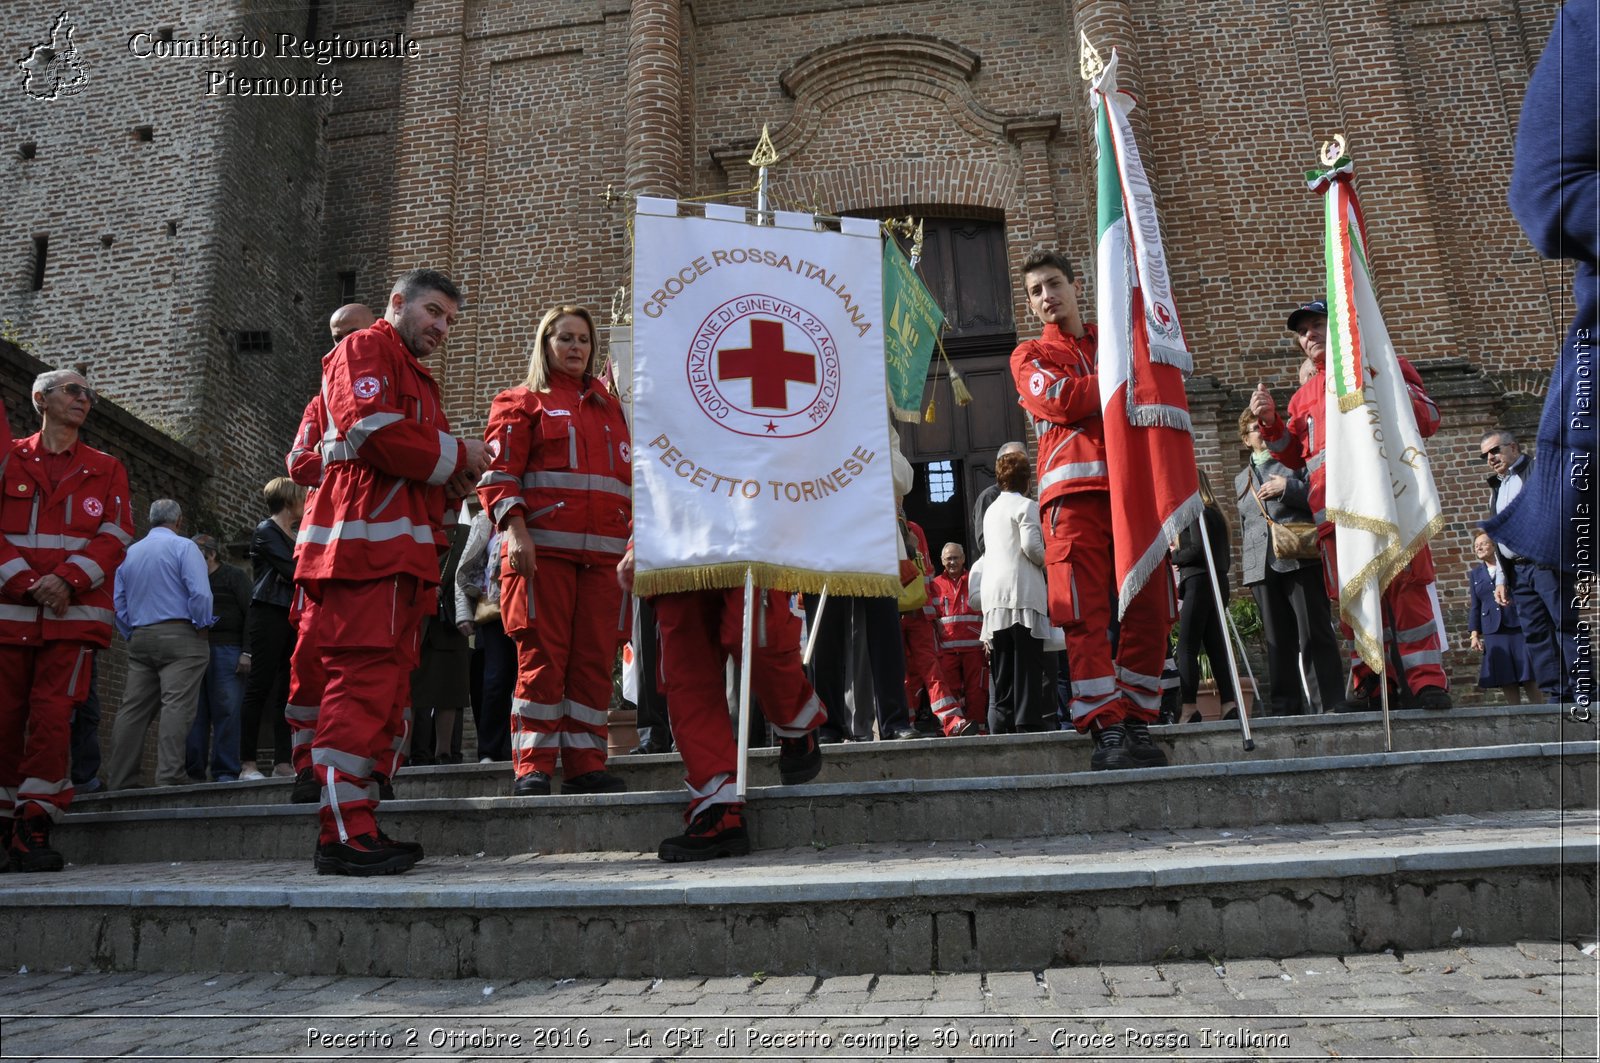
{"x": 66, "y": 521}
{"x": 1544, "y": 593}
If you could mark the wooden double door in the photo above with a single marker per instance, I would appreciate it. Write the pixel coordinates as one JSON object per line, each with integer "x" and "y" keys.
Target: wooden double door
{"x": 964, "y": 266}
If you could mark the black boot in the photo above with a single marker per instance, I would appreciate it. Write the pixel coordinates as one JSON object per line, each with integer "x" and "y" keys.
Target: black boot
{"x": 717, "y": 831}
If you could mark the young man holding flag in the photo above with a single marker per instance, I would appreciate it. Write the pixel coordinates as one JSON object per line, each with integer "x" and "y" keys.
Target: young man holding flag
{"x": 1058, "y": 384}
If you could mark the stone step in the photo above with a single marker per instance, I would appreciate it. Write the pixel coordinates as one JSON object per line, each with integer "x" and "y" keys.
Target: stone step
{"x": 978, "y": 757}
{"x": 1055, "y": 898}
{"x": 1242, "y": 793}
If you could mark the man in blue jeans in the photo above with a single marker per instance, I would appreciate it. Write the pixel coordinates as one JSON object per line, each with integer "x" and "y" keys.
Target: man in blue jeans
{"x": 217, "y": 718}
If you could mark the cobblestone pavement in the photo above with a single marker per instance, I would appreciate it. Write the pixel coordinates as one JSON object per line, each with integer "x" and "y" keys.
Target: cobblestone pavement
{"x": 1531, "y": 1001}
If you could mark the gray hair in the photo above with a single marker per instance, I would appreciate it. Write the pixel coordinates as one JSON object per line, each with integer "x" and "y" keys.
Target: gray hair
{"x": 165, "y": 513}
{"x": 47, "y": 380}
{"x": 1016, "y": 446}
{"x": 1501, "y": 435}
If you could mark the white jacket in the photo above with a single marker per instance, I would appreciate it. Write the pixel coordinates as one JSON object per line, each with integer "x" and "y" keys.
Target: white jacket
{"x": 1013, "y": 555}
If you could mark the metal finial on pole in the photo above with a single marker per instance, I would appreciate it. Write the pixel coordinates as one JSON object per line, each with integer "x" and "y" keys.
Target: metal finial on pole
{"x": 1333, "y": 150}
{"x": 1090, "y": 65}
{"x": 764, "y": 156}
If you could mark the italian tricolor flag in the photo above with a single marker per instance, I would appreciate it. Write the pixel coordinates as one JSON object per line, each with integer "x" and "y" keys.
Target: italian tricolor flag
{"x": 1379, "y": 490}
{"x": 1143, "y": 359}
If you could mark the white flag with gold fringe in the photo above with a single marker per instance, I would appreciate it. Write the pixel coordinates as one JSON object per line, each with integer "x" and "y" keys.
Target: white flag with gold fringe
{"x": 760, "y": 410}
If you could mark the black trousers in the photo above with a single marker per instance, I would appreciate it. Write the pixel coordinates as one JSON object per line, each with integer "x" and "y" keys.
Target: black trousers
{"x": 1020, "y": 704}
{"x": 878, "y": 624}
{"x": 1295, "y": 620}
{"x": 1200, "y": 626}
{"x": 272, "y": 640}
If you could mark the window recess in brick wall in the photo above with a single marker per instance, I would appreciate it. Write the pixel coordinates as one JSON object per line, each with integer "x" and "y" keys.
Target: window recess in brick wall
{"x": 144, "y": 134}
{"x": 41, "y": 251}
{"x": 252, "y": 341}
{"x": 347, "y": 287}
{"x": 29, "y": 150}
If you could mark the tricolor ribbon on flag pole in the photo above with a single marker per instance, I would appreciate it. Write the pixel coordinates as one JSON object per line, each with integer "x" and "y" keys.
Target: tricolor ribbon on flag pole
{"x": 1379, "y": 489}
{"x": 1143, "y": 357}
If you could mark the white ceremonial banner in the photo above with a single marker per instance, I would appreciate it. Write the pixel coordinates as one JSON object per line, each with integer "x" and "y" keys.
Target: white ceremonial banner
{"x": 760, "y": 412}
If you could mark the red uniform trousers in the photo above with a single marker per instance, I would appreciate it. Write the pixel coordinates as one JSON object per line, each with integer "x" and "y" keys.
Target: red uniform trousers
{"x": 306, "y": 683}
{"x": 38, "y": 687}
{"x": 925, "y": 671}
{"x": 1408, "y": 622}
{"x": 700, "y": 631}
{"x": 1081, "y": 580}
{"x": 966, "y": 671}
{"x": 366, "y": 635}
{"x": 567, "y": 639}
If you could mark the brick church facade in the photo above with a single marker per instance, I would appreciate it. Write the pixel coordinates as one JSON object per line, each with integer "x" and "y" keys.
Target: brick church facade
{"x": 186, "y": 248}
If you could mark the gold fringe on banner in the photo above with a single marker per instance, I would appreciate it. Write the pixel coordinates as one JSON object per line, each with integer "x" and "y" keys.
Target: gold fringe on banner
{"x": 729, "y": 575}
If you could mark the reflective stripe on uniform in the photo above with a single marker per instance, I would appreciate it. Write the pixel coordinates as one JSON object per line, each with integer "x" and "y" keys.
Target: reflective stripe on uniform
{"x": 365, "y": 531}
{"x": 445, "y": 467}
{"x": 96, "y": 574}
{"x": 109, "y": 528}
{"x": 586, "y": 714}
{"x": 960, "y": 644}
{"x": 575, "y": 481}
{"x": 1076, "y": 470}
{"x": 36, "y": 541}
{"x": 579, "y": 740}
{"x": 533, "y": 710}
{"x": 26, "y": 613}
{"x": 362, "y": 429}
{"x": 11, "y": 568}
{"x": 579, "y": 541}
{"x": 88, "y": 613}
{"x": 1412, "y": 634}
{"x": 333, "y": 450}
{"x": 349, "y": 763}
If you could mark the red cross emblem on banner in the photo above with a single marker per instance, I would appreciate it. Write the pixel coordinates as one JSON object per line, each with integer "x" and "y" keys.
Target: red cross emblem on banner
{"x": 767, "y": 365}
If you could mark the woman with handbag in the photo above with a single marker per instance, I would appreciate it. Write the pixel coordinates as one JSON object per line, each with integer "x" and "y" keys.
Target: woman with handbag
{"x": 559, "y": 489}
{"x": 1285, "y": 577}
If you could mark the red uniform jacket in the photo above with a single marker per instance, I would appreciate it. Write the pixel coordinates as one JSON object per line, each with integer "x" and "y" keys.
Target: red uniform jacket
{"x": 959, "y": 626}
{"x": 563, "y": 457}
{"x": 1300, "y": 442}
{"x": 1058, "y": 383}
{"x": 386, "y": 456}
{"x": 78, "y": 530}
{"x": 304, "y": 459}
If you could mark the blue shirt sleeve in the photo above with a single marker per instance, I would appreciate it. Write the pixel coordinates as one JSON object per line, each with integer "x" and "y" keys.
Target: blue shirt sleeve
{"x": 198, "y": 583}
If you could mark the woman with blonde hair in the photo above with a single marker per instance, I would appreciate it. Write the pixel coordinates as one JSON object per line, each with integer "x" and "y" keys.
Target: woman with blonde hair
{"x": 559, "y": 488}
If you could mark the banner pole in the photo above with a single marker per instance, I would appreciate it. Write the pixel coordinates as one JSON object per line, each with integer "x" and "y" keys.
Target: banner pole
{"x": 1227, "y": 636}
{"x": 1383, "y": 693}
{"x": 816, "y": 625}
{"x": 744, "y": 680}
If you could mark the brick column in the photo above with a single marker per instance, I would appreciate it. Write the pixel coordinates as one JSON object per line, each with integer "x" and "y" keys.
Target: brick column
{"x": 655, "y": 98}
{"x": 1109, "y": 24}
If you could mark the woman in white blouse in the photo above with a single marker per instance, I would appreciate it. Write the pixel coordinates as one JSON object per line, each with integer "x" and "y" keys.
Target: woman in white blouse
{"x": 1011, "y": 592}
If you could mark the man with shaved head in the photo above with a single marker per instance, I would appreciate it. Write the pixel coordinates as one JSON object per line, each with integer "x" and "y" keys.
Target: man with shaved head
{"x": 351, "y": 317}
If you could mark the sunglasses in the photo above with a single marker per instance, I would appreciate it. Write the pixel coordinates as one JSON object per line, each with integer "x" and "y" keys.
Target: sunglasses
{"x": 1492, "y": 450}
{"x": 77, "y": 391}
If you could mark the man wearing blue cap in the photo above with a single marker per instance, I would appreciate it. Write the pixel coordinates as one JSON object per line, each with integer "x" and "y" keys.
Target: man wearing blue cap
{"x": 1410, "y": 624}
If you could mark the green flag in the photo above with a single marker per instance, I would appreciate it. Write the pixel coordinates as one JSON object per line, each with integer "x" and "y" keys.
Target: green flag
{"x": 914, "y": 321}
